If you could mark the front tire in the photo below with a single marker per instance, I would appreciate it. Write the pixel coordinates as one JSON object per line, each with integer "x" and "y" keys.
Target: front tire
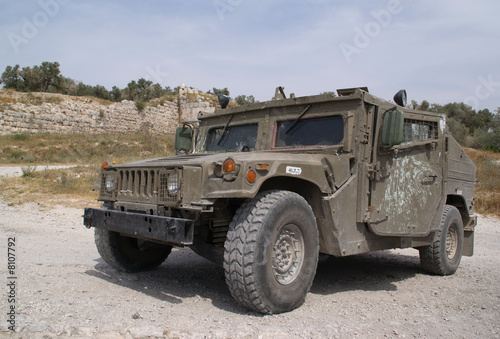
{"x": 271, "y": 252}
{"x": 444, "y": 255}
{"x": 129, "y": 254}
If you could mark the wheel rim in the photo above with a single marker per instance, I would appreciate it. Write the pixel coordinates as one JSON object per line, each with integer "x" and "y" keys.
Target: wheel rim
{"x": 288, "y": 254}
{"x": 451, "y": 241}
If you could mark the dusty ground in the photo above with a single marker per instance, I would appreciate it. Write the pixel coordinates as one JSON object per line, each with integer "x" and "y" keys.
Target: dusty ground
{"x": 64, "y": 289}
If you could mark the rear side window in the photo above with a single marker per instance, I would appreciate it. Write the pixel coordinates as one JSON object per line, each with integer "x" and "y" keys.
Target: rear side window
{"x": 418, "y": 130}
{"x": 327, "y": 131}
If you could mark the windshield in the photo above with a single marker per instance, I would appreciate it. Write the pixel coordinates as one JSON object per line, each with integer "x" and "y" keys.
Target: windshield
{"x": 240, "y": 138}
{"x": 326, "y": 131}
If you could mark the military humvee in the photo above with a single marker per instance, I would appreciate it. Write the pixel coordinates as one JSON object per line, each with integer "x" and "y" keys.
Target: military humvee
{"x": 263, "y": 189}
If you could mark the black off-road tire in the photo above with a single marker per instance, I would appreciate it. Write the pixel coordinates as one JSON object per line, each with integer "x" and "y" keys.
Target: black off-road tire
{"x": 129, "y": 254}
{"x": 271, "y": 252}
{"x": 444, "y": 255}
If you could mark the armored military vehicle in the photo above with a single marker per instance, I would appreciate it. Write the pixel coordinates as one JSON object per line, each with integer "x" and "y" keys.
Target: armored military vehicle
{"x": 264, "y": 188}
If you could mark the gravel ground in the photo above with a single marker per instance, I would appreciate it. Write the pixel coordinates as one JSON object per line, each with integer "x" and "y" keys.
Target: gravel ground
{"x": 64, "y": 289}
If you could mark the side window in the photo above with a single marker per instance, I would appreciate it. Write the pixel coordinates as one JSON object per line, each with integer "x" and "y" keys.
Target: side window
{"x": 327, "y": 131}
{"x": 419, "y": 130}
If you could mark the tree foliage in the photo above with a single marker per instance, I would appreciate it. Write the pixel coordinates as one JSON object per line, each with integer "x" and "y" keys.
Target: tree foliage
{"x": 47, "y": 78}
{"x": 478, "y": 129}
{"x": 43, "y": 78}
{"x": 244, "y": 100}
{"x": 216, "y": 91}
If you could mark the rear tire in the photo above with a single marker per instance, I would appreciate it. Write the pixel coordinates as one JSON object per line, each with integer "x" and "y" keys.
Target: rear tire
{"x": 129, "y": 254}
{"x": 444, "y": 255}
{"x": 271, "y": 252}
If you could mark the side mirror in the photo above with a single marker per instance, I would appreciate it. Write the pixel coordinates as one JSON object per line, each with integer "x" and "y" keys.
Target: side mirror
{"x": 223, "y": 100}
{"x": 400, "y": 98}
{"x": 183, "y": 139}
{"x": 392, "y": 128}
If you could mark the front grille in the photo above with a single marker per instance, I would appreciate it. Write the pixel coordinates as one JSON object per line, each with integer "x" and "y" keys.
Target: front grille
{"x": 137, "y": 183}
{"x": 146, "y": 185}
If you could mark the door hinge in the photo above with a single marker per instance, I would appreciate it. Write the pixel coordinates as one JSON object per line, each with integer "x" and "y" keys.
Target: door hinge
{"x": 365, "y": 138}
{"x": 374, "y": 171}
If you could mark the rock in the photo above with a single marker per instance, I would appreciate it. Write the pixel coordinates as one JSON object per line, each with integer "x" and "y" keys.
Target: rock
{"x": 146, "y": 332}
{"x": 42, "y": 326}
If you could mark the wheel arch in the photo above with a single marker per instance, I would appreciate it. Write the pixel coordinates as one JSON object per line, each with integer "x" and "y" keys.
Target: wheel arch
{"x": 459, "y": 202}
{"x": 308, "y": 190}
{"x": 469, "y": 221}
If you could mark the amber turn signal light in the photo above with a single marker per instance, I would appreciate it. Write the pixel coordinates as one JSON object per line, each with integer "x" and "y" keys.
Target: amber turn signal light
{"x": 251, "y": 176}
{"x": 228, "y": 166}
{"x": 104, "y": 165}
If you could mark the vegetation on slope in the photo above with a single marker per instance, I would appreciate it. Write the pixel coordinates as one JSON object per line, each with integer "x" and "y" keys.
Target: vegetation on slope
{"x": 47, "y": 78}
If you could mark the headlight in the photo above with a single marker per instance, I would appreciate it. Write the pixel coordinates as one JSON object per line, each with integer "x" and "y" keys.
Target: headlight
{"x": 109, "y": 184}
{"x": 173, "y": 183}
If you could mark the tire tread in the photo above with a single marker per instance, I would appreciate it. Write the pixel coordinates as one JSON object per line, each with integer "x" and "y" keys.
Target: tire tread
{"x": 430, "y": 256}
{"x": 108, "y": 247}
{"x": 239, "y": 258}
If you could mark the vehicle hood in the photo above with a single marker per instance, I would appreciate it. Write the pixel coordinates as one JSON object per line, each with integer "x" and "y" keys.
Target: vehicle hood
{"x": 179, "y": 160}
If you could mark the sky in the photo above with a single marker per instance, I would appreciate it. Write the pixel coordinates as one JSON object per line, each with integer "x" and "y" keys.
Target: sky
{"x": 441, "y": 51}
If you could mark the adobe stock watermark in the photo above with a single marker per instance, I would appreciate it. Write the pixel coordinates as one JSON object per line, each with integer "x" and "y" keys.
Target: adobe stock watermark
{"x": 363, "y": 36}
{"x": 30, "y": 27}
{"x": 156, "y": 75}
{"x": 223, "y": 7}
{"x": 483, "y": 91}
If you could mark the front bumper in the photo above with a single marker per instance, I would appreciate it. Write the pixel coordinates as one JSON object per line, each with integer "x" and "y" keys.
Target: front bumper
{"x": 175, "y": 231}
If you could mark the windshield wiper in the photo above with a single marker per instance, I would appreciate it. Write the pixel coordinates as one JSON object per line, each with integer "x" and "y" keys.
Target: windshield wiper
{"x": 224, "y": 131}
{"x": 298, "y": 119}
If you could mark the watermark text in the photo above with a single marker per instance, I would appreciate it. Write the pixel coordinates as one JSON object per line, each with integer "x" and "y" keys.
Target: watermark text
{"x": 11, "y": 283}
{"x": 31, "y": 26}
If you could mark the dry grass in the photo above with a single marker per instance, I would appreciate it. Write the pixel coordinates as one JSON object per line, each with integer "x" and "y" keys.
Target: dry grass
{"x": 7, "y": 100}
{"x": 487, "y": 190}
{"x": 73, "y": 186}
{"x": 70, "y": 187}
{"x": 8, "y": 96}
{"x": 82, "y": 148}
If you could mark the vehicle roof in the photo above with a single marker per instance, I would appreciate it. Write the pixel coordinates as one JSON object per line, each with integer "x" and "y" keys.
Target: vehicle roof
{"x": 351, "y": 94}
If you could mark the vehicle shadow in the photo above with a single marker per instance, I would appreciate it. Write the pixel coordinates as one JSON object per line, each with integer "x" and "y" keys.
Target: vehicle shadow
{"x": 375, "y": 271}
{"x": 186, "y": 275}
{"x": 183, "y": 275}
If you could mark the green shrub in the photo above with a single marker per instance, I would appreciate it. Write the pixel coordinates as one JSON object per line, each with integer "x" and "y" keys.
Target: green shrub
{"x": 16, "y": 154}
{"x": 28, "y": 171}
{"x": 140, "y": 105}
{"x": 20, "y": 136}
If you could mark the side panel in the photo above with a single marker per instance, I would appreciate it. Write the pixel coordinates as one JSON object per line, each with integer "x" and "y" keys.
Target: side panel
{"x": 406, "y": 196}
{"x": 461, "y": 174}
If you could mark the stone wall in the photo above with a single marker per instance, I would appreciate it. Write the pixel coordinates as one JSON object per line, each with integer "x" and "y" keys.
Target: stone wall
{"x": 192, "y": 101}
{"x": 24, "y": 113}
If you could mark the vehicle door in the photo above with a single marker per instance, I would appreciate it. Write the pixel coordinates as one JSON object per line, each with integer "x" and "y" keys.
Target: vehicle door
{"x": 406, "y": 190}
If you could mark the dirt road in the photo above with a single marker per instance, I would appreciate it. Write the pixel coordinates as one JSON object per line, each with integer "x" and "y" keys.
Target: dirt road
{"x": 64, "y": 289}
{"x": 16, "y": 171}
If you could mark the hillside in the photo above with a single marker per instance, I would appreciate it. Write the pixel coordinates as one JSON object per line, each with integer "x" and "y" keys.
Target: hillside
{"x": 50, "y": 113}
